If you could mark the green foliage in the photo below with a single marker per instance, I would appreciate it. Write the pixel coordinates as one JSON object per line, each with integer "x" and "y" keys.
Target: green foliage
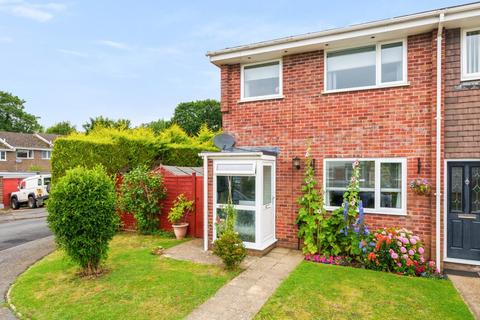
{"x": 229, "y": 246}
{"x": 311, "y": 212}
{"x": 175, "y": 134}
{"x": 157, "y": 126}
{"x": 116, "y": 150}
{"x": 13, "y": 116}
{"x": 184, "y": 154}
{"x": 180, "y": 209}
{"x": 192, "y": 115}
{"x": 62, "y": 128}
{"x": 82, "y": 216}
{"x": 105, "y": 122}
{"x": 141, "y": 193}
{"x": 205, "y": 134}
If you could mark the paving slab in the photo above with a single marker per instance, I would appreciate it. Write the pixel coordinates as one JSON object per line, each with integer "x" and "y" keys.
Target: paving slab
{"x": 469, "y": 289}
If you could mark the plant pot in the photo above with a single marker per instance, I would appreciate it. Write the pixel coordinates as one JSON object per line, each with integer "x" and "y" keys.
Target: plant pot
{"x": 180, "y": 230}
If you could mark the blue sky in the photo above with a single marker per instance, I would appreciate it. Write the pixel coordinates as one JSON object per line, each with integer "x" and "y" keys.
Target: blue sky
{"x": 71, "y": 60}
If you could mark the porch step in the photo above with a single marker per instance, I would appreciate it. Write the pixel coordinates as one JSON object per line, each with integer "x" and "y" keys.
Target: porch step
{"x": 461, "y": 269}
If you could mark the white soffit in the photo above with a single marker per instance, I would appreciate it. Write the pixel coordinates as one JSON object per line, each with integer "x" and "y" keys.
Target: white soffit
{"x": 455, "y": 17}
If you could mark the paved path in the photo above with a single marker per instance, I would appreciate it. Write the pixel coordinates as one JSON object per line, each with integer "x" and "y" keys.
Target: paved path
{"x": 469, "y": 289}
{"x": 245, "y": 295}
{"x": 23, "y": 241}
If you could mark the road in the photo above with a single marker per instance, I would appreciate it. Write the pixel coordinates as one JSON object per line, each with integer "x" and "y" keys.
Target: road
{"x": 24, "y": 239}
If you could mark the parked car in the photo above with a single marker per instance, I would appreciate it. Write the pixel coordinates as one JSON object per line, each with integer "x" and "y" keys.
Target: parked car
{"x": 32, "y": 191}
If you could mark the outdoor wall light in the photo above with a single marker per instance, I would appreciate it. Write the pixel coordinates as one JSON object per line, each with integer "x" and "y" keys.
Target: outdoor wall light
{"x": 296, "y": 163}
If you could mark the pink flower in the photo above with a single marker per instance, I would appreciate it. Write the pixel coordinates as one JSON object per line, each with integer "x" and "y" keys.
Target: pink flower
{"x": 422, "y": 259}
{"x": 399, "y": 243}
{"x": 394, "y": 255}
{"x": 405, "y": 257}
{"x": 403, "y": 249}
{"x": 307, "y": 257}
{"x": 413, "y": 241}
{"x": 421, "y": 250}
{"x": 431, "y": 263}
{"x": 411, "y": 252}
{"x": 405, "y": 240}
{"x": 399, "y": 264}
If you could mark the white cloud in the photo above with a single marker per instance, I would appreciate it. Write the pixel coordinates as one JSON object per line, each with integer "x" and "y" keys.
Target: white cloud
{"x": 114, "y": 44}
{"x": 37, "y": 12}
{"x": 5, "y": 39}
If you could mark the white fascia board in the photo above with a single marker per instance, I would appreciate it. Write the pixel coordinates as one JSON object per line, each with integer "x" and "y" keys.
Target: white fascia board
{"x": 410, "y": 24}
{"x": 43, "y": 139}
{"x": 3, "y": 141}
{"x": 230, "y": 154}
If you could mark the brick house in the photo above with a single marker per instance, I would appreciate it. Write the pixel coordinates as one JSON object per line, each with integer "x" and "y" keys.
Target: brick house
{"x": 22, "y": 152}
{"x": 401, "y": 95}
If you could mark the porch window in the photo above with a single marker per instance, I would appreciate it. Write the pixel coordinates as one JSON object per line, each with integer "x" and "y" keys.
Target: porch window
{"x": 369, "y": 66}
{"x": 24, "y": 154}
{"x": 471, "y": 54}
{"x": 382, "y": 184}
{"x": 261, "y": 80}
{"x": 3, "y": 155}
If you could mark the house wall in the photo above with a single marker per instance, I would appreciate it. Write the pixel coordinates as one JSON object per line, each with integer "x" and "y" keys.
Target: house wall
{"x": 380, "y": 123}
{"x": 462, "y": 105}
{"x": 12, "y": 166}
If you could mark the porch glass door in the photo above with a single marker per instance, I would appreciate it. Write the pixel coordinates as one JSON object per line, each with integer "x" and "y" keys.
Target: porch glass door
{"x": 463, "y": 216}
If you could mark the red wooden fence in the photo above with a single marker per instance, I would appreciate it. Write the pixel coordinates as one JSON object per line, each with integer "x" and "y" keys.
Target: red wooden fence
{"x": 192, "y": 187}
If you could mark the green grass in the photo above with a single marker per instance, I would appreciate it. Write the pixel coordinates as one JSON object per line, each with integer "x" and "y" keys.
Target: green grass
{"x": 139, "y": 285}
{"x": 316, "y": 291}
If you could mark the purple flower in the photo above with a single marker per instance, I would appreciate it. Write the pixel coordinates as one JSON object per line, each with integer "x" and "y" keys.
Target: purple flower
{"x": 394, "y": 255}
{"x": 403, "y": 249}
{"x": 316, "y": 258}
{"x": 411, "y": 252}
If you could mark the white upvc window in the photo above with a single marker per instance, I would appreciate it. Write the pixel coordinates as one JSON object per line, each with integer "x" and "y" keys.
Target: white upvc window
{"x": 470, "y": 54}
{"x": 24, "y": 154}
{"x": 382, "y": 64}
{"x": 261, "y": 80}
{"x": 3, "y": 155}
{"x": 382, "y": 184}
{"x": 46, "y": 154}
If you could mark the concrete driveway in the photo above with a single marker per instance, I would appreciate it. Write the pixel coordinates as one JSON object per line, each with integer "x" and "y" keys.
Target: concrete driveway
{"x": 24, "y": 239}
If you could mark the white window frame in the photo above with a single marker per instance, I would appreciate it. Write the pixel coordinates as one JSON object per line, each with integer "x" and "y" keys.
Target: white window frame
{"x": 3, "y": 155}
{"x": 378, "y": 161}
{"x": 378, "y": 67}
{"x": 463, "y": 64}
{"x": 28, "y": 151}
{"x": 279, "y": 95}
{"x": 49, "y": 152}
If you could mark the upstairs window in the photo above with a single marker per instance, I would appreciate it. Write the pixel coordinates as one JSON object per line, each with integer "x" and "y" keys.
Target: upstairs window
{"x": 3, "y": 155}
{"x": 366, "y": 67}
{"x": 46, "y": 154}
{"x": 262, "y": 80}
{"x": 24, "y": 154}
{"x": 471, "y": 54}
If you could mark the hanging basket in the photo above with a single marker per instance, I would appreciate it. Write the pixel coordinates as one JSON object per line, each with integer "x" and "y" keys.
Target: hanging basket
{"x": 420, "y": 187}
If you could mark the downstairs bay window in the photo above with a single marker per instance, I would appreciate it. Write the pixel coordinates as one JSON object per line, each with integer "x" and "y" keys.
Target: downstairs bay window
{"x": 382, "y": 184}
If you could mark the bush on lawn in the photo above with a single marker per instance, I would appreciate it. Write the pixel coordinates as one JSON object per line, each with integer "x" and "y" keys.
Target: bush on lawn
{"x": 82, "y": 216}
{"x": 229, "y": 246}
{"x": 140, "y": 194}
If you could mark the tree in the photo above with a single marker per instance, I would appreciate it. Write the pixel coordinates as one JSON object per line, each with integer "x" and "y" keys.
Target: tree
{"x": 81, "y": 214}
{"x": 13, "y": 116}
{"x": 105, "y": 122}
{"x": 191, "y": 115}
{"x": 157, "y": 126}
{"x": 63, "y": 128}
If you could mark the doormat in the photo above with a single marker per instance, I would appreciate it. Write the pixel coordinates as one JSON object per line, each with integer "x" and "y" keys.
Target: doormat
{"x": 471, "y": 274}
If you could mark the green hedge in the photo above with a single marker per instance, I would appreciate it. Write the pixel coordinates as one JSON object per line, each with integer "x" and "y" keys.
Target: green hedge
{"x": 122, "y": 150}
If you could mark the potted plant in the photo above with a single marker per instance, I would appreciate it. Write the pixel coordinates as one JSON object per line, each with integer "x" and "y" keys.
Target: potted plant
{"x": 420, "y": 186}
{"x": 177, "y": 215}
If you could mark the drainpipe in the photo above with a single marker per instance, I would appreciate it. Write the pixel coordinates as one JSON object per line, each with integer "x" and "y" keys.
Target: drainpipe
{"x": 438, "y": 139}
{"x": 205, "y": 203}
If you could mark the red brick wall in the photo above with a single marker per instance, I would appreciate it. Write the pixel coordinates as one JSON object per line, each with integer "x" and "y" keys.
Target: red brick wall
{"x": 12, "y": 166}
{"x": 462, "y": 105}
{"x": 389, "y": 122}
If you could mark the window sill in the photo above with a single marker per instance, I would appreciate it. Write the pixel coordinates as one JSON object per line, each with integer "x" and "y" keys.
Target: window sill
{"x": 466, "y": 78}
{"x": 384, "y": 211}
{"x": 382, "y": 86}
{"x": 262, "y": 98}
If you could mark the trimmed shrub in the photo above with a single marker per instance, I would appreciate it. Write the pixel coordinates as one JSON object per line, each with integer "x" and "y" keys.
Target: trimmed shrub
{"x": 229, "y": 246}
{"x": 141, "y": 193}
{"x": 82, "y": 216}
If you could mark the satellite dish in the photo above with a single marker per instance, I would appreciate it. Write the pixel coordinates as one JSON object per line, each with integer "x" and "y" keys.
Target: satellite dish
{"x": 224, "y": 141}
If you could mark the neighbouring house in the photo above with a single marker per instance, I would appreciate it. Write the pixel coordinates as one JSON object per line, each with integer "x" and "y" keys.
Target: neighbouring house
{"x": 401, "y": 95}
{"x": 24, "y": 152}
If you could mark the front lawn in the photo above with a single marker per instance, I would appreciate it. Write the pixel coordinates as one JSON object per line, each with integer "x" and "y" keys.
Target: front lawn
{"x": 318, "y": 291}
{"x": 139, "y": 285}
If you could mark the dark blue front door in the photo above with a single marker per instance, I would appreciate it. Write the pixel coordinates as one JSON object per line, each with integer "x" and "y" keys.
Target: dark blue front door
{"x": 463, "y": 216}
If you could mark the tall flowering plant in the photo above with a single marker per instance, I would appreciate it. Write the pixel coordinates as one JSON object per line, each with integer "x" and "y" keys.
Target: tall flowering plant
{"x": 311, "y": 210}
{"x": 397, "y": 250}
